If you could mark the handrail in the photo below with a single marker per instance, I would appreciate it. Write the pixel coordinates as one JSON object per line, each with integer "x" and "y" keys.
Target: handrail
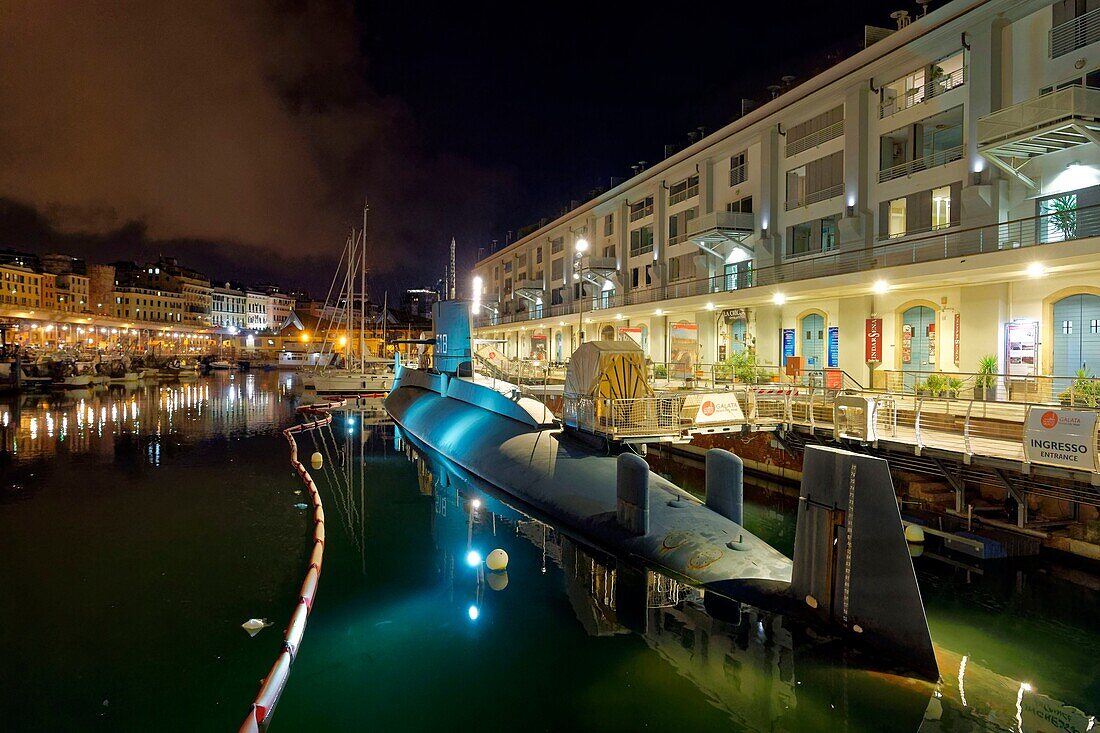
{"x": 946, "y": 244}
{"x": 929, "y": 90}
{"x": 908, "y": 168}
{"x": 815, "y": 138}
{"x": 1074, "y": 34}
{"x": 259, "y": 715}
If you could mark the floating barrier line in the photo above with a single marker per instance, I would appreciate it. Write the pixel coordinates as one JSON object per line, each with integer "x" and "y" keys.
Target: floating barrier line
{"x": 271, "y": 689}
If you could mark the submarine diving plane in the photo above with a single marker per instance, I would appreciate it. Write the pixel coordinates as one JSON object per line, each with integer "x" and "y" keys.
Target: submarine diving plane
{"x": 851, "y": 572}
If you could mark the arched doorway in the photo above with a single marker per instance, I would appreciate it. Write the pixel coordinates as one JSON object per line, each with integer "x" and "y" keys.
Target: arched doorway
{"x": 607, "y": 333}
{"x": 813, "y": 341}
{"x": 918, "y": 339}
{"x": 1077, "y": 334}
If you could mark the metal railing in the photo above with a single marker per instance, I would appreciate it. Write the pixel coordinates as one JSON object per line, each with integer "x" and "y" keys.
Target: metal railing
{"x": 937, "y": 158}
{"x": 815, "y": 138}
{"x": 1042, "y": 389}
{"x": 739, "y": 174}
{"x": 1037, "y": 113}
{"x": 641, "y": 213}
{"x": 1074, "y": 34}
{"x": 952, "y": 243}
{"x": 931, "y": 89}
{"x": 815, "y": 196}
{"x": 684, "y": 195}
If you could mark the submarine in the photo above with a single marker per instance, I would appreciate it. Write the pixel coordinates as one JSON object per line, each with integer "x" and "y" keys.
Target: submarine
{"x": 851, "y": 573}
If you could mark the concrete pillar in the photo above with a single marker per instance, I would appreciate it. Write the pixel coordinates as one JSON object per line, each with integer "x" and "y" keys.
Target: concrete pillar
{"x": 855, "y": 226}
{"x": 658, "y": 339}
{"x": 852, "y": 315}
{"x": 706, "y": 187}
{"x": 660, "y": 234}
{"x": 622, "y": 244}
{"x": 983, "y": 311}
{"x": 768, "y": 343}
{"x": 769, "y": 249}
{"x": 708, "y": 342}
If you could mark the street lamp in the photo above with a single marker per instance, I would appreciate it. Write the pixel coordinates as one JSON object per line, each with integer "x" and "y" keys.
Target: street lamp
{"x": 580, "y": 246}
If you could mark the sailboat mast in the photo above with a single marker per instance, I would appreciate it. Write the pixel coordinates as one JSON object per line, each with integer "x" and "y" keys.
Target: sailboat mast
{"x": 363, "y": 295}
{"x": 348, "y": 307}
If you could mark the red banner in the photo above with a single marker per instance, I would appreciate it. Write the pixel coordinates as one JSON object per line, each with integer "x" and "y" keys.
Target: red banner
{"x": 873, "y": 344}
{"x": 931, "y": 331}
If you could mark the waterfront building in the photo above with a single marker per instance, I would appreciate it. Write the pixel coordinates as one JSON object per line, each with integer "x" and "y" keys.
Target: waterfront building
{"x": 258, "y": 307}
{"x": 936, "y": 193}
{"x": 228, "y": 308}
{"x": 72, "y": 293}
{"x": 280, "y": 305}
{"x": 20, "y": 286}
{"x": 192, "y": 285}
{"x": 142, "y": 303}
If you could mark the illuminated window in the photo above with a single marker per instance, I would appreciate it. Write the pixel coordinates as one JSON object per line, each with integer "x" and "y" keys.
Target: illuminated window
{"x": 896, "y": 220}
{"x": 941, "y": 207}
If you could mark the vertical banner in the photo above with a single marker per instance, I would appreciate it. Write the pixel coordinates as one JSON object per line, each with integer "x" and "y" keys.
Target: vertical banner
{"x": 931, "y": 331}
{"x": 872, "y": 350}
{"x": 1021, "y": 340}
{"x": 834, "y": 347}
{"x": 958, "y": 336}
{"x": 907, "y": 344}
{"x": 788, "y": 344}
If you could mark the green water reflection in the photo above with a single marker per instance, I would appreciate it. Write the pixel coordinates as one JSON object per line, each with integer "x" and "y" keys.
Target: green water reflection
{"x": 139, "y": 528}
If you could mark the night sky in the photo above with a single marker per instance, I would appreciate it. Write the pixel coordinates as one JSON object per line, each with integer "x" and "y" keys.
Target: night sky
{"x": 243, "y": 137}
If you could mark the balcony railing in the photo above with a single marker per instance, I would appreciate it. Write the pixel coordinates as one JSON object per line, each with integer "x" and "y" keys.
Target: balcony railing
{"x": 1074, "y": 34}
{"x": 813, "y": 139}
{"x": 933, "y": 88}
{"x": 683, "y": 195}
{"x": 739, "y": 174}
{"x": 816, "y": 196}
{"x": 949, "y": 244}
{"x": 938, "y": 158}
{"x": 641, "y": 213}
{"x": 1037, "y": 113}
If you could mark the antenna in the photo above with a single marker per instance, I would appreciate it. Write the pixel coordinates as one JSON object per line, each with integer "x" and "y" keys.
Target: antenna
{"x": 451, "y": 285}
{"x": 923, "y": 7}
{"x": 902, "y": 18}
{"x": 773, "y": 89}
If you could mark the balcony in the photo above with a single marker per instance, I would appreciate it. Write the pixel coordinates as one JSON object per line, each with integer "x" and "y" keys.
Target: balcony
{"x": 934, "y": 88}
{"x": 1074, "y": 34}
{"x": 946, "y": 244}
{"x": 711, "y": 231}
{"x": 813, "y": 139}
{"x": 815, "y": 196}
{"x": 641, "y": 212}
{"x": 1045, "y": 124}
{"x": 927, "y": 162}
{"x": 597, "y": 269}
{"x": 529, "y": 290}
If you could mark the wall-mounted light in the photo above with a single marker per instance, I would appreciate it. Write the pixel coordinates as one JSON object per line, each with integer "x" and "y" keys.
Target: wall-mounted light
{"x": 779, "y": 298}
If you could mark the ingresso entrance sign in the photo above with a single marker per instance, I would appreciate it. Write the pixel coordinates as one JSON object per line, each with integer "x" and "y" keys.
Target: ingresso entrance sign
{"x": 1065, "y": 438}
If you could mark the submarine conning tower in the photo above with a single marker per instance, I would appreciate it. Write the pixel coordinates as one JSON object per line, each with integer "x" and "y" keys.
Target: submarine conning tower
{"x": 453, "y": 349}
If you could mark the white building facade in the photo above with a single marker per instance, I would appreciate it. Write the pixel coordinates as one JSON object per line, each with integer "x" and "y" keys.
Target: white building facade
{"x": 932, "y": 200}
{"x": 228, "y": 309}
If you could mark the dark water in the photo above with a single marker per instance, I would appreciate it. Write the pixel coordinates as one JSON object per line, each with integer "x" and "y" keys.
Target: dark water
{"x": 135, "y": 544}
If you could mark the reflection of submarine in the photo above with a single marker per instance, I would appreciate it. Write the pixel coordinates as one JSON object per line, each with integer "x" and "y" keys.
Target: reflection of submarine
{"x": 851, "y": 566}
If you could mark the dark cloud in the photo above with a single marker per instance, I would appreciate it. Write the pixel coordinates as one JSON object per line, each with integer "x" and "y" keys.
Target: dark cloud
{"x": 242, "y": 134}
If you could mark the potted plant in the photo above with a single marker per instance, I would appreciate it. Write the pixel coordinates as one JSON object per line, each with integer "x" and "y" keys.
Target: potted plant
{"x": 921, "y": 389}
{"x": 660, "y": 371}
{"x": 936, "y": 384}
{"x": 1085, "y": 390}
{"x": 953, "y": 387}
{"x": 985, "y": 384}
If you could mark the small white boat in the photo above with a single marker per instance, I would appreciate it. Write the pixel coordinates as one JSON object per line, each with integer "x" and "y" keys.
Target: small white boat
{"x": 220, "y": 365}
{"x": 349, "y": 382}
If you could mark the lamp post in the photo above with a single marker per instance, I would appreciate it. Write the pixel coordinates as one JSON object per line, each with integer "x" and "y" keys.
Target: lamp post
{"x": 579, "y": 247}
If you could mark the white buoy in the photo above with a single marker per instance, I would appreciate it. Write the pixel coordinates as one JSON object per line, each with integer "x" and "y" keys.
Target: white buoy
{"x": 316, "y": 460}
{"x": 497, "y": 560}
{"x": 914, "y": 533}
{"x": 255, "y": 625}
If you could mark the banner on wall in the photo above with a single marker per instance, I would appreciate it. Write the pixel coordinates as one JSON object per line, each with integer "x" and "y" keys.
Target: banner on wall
{"x": 872, "y": 349}
{"x": 788, "y": 344}
{"x": 1064, "y": 438}
{"x": 834, "y": 347}
{"x": 683, "y": 349}
{"x": 958, "y": 337}
{"x": 538, "y": 347}
{"x": 907, "y": 344}
{"x": 931, "y": 331}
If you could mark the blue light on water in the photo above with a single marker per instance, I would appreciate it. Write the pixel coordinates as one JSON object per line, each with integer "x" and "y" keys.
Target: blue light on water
{"x": 473, "y": 612}
{"x": 473, "y": 558}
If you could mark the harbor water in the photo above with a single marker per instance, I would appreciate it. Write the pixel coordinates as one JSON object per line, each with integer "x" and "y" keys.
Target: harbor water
{"x": 140, "y": 527}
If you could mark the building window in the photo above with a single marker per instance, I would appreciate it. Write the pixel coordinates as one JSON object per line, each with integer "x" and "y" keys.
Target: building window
{"x": 818, "y": 180}
{"x": 556, "y": 245}
{"x": 1094, "y": 326}
{"x": 538, "y": 256}
{"x": 1067, "y": 327}
{"x": 829, "y": 233}
{"x": 740, "y": 206}
{"x": 609, "y": 251}
{"x": 1058, "y": 220}
{"x": 641, "y": 209}
{"x": 801, "y": 239}
{"x": 739, "y": 171}
{"x": 641, "y": 241}
{"x": 609, "y": 225}
{"x": 557, "y": 269}
{"x": 683, "y": 190}
{"x": 896, "y": 218}
{"x": 941, "y": 207}
{"x": 507, "y": 266}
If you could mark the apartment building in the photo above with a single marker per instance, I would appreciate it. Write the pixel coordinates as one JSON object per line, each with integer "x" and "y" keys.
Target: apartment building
{"x": 228, "y": 308}
{"x": 140, "y": 303}
{"x": 923, "y": 203}
{"x": 258, "y": 306}
{"x": 192, "y": 285}
{"x": 280, "y": 305}
{"x": 20, "y": 286}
